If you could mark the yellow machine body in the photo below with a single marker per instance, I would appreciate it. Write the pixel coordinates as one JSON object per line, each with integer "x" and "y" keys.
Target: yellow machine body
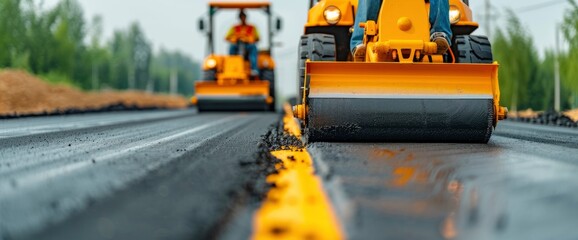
{"x": 403, "y": 91}
{"x": 403, "y": 81}
{"x": 232, "y": 81}
{"x": 254, "y": 89}
{"x": 346, "y": 8}
{"x": 332, "y": 17}
{"x": 465, "y": 23}
{"x": 233, "y": 89}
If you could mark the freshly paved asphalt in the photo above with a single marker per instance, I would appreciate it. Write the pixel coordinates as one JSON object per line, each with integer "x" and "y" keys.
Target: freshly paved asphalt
{"x": 145, "y": 175}
{"x": 183, "y": 175}
{"x": 522, "y": 185}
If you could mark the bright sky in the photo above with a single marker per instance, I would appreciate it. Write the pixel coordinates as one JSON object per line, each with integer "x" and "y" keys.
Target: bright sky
{"x": 172, "y": 24}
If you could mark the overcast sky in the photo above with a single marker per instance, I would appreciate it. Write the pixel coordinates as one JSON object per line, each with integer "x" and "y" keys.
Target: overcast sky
{"x": 172, "y": 24}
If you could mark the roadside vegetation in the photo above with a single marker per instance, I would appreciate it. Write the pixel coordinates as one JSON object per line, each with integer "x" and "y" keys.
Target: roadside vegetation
{"x": 527, "y": 80}
{"x": 62, "y": 46}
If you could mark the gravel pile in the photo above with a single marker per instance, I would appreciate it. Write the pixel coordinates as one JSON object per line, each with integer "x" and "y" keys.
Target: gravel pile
{"x": 22, "y": 94}
{"x": 550, "y": 118}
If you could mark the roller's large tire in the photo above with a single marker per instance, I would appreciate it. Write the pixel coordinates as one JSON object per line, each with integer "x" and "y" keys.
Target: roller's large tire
{"x": 315, "y": 47}
{"x": 209, "y": 75}
{"x": 269, "y": 75}
{"x": 473, "y": 49}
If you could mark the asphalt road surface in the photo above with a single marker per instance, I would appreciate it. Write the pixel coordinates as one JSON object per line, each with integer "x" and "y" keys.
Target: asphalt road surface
{"x": 183, "y": 175}
{"x": 522, "y": 185}
{"x": 147, "y": 175}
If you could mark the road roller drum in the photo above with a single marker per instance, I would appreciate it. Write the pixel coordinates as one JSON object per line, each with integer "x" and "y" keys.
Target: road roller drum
{"x": 404, "y": 91}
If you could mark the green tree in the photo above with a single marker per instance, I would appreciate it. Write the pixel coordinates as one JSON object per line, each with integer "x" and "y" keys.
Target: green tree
{"x": 166, "y": 63}
{"x": 569, "y": 69}
{"x": 39, "y": 39}
{"x": 546, "y": 82}
{"x": 99, "y": 55}
{"x": 140, "y": 57}
{"x": 131, "y": 58}
{"x": 12, "y": 30}
{"x": 514, "y": 50}
{"x": 71, "y": 34}
{"x": 59, "y": 44}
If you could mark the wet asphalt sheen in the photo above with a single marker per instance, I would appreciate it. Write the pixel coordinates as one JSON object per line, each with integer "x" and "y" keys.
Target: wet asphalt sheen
{"x": 522, "y": 185}
{"x": 180, "y": 175}
{"x": 145, "y": 175}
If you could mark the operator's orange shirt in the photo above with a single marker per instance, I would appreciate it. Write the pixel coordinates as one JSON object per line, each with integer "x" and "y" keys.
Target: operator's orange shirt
{"x": 247, "y": 33}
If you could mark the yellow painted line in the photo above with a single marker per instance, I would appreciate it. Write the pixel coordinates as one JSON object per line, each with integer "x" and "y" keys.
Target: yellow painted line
{"x": 297, "y": 207}
{"x": 290, "y": 124}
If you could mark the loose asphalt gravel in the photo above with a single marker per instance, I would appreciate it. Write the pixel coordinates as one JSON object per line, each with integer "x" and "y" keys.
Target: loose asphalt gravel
{"x": 183, "y": 175}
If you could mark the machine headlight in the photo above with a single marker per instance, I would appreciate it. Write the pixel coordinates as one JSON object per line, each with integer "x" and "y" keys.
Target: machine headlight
{"x": 210, "y": 63}
{"x": 332, "y": 15}
{"x": 455, "y": 14}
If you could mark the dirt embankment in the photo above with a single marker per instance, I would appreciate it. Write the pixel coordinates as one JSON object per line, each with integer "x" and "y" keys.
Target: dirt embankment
{"x": 22, "y": 94}
{"x": 573, "y": 114}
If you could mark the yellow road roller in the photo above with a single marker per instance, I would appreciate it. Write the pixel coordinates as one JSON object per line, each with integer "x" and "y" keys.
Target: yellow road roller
{"x": 228, "y": 83}
{"x": 404, "y": 91}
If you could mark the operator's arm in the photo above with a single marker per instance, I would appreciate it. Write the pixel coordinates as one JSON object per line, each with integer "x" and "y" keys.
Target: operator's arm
{"x": 255, "y": 34}
{"x": 231, "y": 36}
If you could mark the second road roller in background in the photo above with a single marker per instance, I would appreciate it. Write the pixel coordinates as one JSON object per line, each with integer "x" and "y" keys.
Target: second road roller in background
{"x": 403, "y": 91}
{"x": 227, "y": 84}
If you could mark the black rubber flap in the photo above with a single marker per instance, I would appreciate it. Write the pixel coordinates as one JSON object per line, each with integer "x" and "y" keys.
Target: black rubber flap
{"x": 232, "y": 104}
{"x": 400, "y": 120}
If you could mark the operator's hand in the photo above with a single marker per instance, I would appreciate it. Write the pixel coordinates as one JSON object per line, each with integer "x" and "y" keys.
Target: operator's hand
{"x": 233, "y": 40}
{"x": 248, "y": 39}
{"x": 244, "y": 39}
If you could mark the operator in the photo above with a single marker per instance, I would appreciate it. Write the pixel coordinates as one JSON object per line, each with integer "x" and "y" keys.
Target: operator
{"x": 244, "y": 34}
{"x": 439, "y": 19}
